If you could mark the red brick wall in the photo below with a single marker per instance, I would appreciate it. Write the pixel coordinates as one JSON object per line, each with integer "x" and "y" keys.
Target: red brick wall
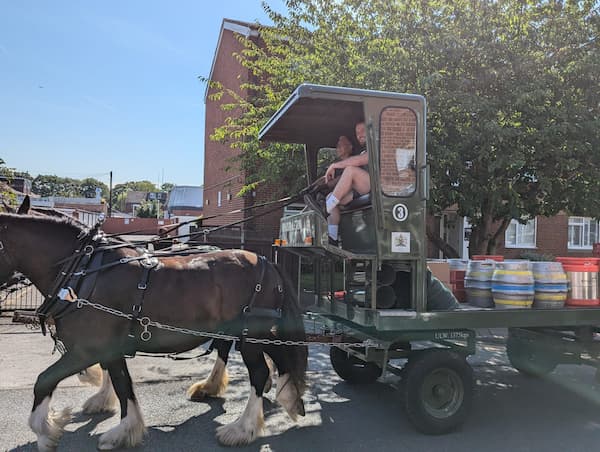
{"x": 398, "y": 131}
{"x": 127, "y": 225}
{"x": 231, "y": 74}
{"x": 551, "y": 238}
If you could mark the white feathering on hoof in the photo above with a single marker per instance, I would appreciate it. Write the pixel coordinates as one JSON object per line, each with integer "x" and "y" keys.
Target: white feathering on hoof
{"x": 92, "y": 375}
{"x": 129, "y": 433}
{"x": 247, "y": 427}
{"x": 105, "y": 400}
{"x": 213, "y": 386}
{"x": 48, "y": 425}
{"x": 288, "y": 397}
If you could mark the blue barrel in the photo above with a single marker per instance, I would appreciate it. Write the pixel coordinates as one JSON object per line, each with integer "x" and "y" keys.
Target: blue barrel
{"x": 550, "y": 285}
{"x": 513, "y": 285}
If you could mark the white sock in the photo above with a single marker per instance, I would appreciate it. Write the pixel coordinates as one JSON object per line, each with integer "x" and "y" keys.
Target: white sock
{"x": 333, "y": 231}
{"x": 331, "y": 202}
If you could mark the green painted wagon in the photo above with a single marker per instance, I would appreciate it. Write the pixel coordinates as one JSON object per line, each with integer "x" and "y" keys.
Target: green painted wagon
{"x": 376, "y": 286}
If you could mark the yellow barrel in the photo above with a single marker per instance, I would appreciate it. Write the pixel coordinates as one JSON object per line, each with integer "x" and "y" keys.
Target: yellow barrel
{"x": 513, "y": 285}
{"x": 550, "y": 285}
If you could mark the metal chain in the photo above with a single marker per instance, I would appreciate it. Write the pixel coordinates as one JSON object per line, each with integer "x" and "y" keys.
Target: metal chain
{"x": 146, "y": 322}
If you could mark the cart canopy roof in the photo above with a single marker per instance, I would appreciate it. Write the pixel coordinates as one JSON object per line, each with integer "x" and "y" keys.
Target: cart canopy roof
{"x": 317, "y": 114}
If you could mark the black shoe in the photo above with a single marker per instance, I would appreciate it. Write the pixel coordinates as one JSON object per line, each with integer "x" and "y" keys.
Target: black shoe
{"x": 333, "y": 242}
{"x": 311, "y": 202}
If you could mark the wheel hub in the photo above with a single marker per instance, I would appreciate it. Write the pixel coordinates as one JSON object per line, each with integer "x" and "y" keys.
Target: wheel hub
{"x": 443, "y": 393}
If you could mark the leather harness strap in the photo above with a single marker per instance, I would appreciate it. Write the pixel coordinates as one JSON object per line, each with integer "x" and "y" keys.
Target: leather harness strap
{"x": 136, "y": 310}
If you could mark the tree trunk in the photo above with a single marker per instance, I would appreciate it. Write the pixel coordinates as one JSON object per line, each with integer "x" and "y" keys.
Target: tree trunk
{"x": 448, "y": 251}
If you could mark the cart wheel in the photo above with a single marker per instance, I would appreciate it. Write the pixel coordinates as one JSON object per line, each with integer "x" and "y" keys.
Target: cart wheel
{"x": 353, "y": 369}
{"x": 528, "y": 359}
{"x": 437, "y": 387}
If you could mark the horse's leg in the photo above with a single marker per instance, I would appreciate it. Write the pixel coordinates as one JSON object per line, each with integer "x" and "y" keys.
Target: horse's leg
{"x": 92, "y": 375}
{"x": 247, "y": 427}
{"x": 48, "y": 425}
{"x": 131, "y": 429}
{"x": 287, "y": 394}
{"x": 271, "y": 365}
{"x": 105, "y": 400}
{"x": 217, "y": 381}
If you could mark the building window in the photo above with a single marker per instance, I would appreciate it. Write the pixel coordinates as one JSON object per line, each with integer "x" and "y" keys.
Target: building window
{"x": 519, "y": 235}
{"x": 219, "y": 199}
{"x": 583, "y": 233}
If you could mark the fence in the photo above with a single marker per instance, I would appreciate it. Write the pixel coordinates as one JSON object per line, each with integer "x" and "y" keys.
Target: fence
{"x": 24, "y": 298}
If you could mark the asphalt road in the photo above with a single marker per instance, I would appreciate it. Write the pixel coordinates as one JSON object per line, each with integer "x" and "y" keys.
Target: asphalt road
{"x": 510, "y": 412}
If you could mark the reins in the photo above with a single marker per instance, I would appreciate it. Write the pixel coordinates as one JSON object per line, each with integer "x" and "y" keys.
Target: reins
{"x": 288, "y": 200}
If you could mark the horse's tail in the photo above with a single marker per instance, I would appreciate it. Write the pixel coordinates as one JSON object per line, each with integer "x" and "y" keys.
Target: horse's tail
{"x": 292, "y": 329}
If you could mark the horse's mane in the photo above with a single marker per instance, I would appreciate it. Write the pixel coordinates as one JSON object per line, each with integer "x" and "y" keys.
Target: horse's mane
{"x": 61, "y": 220}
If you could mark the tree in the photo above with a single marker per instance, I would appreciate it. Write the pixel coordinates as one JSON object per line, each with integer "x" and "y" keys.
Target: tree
{"x": 119, "y": 192}
{"x": 167, "y": 186}
{"x": 148, "y": 209}
{"x": 88, "y": 187}
{"x": 51, "y": 185}
{"x": 513, "y": 104}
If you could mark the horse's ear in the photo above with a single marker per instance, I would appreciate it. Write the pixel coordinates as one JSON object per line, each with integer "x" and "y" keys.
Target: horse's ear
{"x": 7, "y": 207}
{"x": 24, "y": 209}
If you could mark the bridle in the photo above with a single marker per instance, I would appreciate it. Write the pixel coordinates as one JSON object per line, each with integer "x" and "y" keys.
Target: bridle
{"x": 5, "y": 258}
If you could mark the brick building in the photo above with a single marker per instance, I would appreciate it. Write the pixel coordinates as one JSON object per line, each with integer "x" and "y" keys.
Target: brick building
{"x": 220, "y": 185}
{"x": 561, "y": 235}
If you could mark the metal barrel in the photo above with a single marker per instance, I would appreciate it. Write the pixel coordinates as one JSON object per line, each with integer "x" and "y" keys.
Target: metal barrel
{"x": 458, "y": 270}
{"x": 478, "y": 283}
{"x": 513, "y": 285}
{"x": 582, "y": 275}
{"x": 550, "y": 285}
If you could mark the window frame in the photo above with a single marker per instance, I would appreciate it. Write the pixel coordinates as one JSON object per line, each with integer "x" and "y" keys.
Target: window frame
{"x": 585, "y": 222}
{"x": 518, "y": 243}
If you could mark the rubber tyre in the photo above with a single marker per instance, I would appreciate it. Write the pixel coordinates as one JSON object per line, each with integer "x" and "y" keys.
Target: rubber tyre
{"x": 528, "y": 359}
{"x": 437, "y": 390}
{"x": 352, "y": 369}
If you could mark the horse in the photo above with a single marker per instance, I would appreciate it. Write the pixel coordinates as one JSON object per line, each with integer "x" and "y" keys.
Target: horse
{"x": 233, "y": 291}
{"x": 105, "y": 400}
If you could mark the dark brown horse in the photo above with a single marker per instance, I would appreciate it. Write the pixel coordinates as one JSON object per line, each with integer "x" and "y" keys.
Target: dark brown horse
{"x": 206, "y": 292}
{"x": 105, "y": 400}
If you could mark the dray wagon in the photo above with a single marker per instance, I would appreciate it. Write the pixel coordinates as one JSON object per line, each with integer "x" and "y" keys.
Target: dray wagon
{"x": 376, "y": 286}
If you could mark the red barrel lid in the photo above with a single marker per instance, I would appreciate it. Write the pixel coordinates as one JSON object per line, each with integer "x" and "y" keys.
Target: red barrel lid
{"x": 579, "y": 260}
{"x": 492, "y": 257}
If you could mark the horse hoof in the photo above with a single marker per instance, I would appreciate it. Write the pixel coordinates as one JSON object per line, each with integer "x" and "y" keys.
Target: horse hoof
{"x": 236, "y": 434}
{"x": 129, "y": 433}
{"x": 197, "y": 396}
{"x": 247, "y": 427}
{"x": 102, "y": 402}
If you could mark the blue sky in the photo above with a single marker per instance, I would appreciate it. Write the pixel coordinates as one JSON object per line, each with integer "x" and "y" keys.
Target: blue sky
{"x": 92, "y": 87}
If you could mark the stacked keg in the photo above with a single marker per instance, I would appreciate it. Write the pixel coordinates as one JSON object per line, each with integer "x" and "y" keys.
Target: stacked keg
{"x": 478, "y": 283}
{"x": 550, "y": 285}
{"x": 513, "y": 284}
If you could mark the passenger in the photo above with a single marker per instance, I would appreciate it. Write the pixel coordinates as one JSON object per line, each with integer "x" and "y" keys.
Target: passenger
{"x": 354, "y": 181}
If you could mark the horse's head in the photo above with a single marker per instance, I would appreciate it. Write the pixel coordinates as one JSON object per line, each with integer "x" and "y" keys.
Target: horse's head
{"x": 33, "y": 243}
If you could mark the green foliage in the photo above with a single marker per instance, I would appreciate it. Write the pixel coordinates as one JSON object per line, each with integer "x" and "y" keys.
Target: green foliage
{"x": 512, "y": 90}
{"x": 51, "y": 185}
{"x": 167, "y": 186}
{"x": 532, "y": 256}
{"x": 148, "y": 209}
{"x": 119, "y": 191}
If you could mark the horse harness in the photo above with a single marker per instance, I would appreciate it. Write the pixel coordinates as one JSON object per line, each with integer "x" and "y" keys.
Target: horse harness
{"x": 77, "y": 280}
{"x": 253, "y": 312}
